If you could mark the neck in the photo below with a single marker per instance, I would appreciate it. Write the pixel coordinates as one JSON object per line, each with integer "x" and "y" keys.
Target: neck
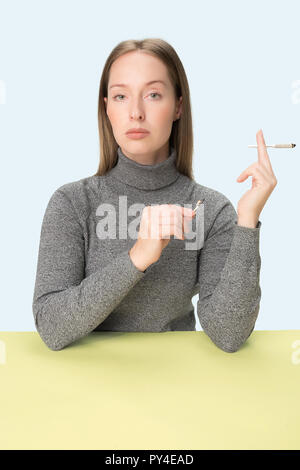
{"x": 152, "y": 158}
{"x": 145, "y": 176}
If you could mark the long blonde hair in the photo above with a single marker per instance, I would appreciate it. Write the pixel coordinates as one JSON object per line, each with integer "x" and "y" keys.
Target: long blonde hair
{"x": 182, "y": 131}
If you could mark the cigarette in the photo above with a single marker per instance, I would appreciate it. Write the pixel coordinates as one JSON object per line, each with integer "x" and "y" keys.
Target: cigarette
{"x": 198, "y": 204}
{"x": 277, "y": 146}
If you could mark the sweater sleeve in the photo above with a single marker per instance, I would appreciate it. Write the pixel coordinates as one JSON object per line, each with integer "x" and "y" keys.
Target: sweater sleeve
{"x": 229, "y": 276}
{"x": 67, "y": 305}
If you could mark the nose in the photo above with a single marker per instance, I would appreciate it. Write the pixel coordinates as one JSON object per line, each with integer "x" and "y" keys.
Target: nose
{"x": 137, "y": 111}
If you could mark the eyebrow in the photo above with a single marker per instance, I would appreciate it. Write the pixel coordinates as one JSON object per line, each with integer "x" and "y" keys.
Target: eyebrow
{"x": 149, "y": 83}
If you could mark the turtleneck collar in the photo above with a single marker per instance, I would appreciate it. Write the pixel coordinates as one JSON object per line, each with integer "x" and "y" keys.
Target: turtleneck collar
{"x": 145, "y": 176}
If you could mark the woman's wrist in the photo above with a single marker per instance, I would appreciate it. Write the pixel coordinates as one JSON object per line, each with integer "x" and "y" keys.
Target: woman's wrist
{"x": 137, "y": 258}
{"x": 250, "y": 222}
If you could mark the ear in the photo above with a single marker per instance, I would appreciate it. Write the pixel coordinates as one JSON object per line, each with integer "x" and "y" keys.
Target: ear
{"x": 105, "y": 103}
{"x": 178, "y": 109}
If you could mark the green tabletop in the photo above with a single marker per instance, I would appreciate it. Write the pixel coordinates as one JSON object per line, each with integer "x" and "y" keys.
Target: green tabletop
{"x": 171, "y": 390}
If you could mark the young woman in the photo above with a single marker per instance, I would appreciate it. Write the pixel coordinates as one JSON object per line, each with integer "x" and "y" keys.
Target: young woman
{"x": 102, "y": 267}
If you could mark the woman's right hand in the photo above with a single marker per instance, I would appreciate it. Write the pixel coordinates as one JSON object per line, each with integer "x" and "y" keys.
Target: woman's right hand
{"x": 157, "y": 225}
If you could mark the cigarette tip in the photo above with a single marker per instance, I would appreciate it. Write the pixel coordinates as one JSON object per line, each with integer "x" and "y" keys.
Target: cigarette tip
{"x": 198, "y": 204}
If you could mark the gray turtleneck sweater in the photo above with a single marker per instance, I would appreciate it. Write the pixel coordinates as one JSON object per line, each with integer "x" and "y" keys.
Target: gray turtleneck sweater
{"x": 86, "y": 280}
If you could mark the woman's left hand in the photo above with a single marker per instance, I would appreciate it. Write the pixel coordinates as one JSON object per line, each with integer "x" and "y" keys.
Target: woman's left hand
{"x": 263, "y": 182}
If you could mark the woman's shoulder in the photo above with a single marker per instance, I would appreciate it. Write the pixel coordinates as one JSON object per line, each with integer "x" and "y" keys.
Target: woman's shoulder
{"x": 77, "y": 187}
{"x": 214, "y": 199}
{"x": 77, "y": 195}
{"x": 219, "y": 212}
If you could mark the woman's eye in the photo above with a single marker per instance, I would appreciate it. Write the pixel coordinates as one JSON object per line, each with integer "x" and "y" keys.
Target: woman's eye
{"x": 117, "y": 96}
{"x": 154, "y": 93}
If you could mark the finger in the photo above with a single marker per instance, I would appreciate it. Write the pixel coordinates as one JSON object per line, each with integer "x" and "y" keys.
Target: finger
{"x": 263, "y": 156}
{"x": 182, "y": 216}
{"x": 253, "y": 170}
{"x": 179, "y": 224}
{"x": 265, "y": 173}
{"x": 171, "y": 220}
{"x": 187, "y": 211}
{"x": 187, "y": 215}
{"x": 261, "y": 169}
{"x": 178, "y": 218}
{"x": 167, "y": 230}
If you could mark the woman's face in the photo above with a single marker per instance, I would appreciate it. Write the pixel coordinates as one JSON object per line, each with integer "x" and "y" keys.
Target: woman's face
{"x": 135, "y": 104}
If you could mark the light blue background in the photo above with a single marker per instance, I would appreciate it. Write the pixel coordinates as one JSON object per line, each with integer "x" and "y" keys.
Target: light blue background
{"x": 242, "y": 63}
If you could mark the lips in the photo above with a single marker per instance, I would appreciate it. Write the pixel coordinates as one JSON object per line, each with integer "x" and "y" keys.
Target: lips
{"x": 137, "y": 131}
